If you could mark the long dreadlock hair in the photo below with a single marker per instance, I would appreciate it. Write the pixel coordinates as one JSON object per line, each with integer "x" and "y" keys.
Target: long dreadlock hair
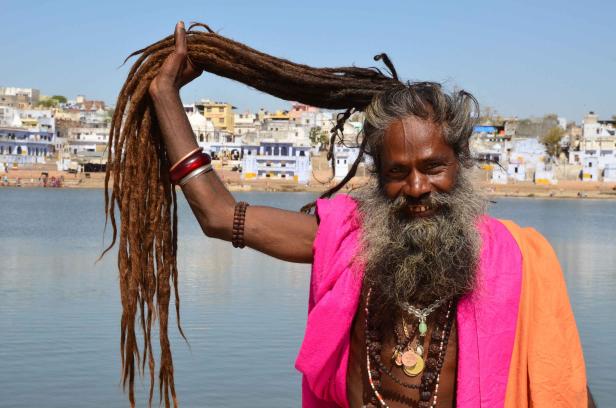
{"x": 137, "y": 177}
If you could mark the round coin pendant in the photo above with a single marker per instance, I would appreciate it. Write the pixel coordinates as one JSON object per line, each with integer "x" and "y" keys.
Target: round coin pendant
{"x": 409, "y": 358}
{"x": 416, "y": 369}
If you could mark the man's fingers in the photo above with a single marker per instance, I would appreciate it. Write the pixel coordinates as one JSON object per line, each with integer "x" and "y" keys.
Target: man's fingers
{"x": 180, "y": 38}
{"x": 177, "y": 68}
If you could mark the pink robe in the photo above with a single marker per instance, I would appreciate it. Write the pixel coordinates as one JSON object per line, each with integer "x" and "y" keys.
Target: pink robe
{"x": 487, "y": 320}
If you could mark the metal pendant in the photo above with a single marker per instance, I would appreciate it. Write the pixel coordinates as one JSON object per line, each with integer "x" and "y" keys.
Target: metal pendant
{"x": 416, "y": 369}
{"x": 409, "y": 358}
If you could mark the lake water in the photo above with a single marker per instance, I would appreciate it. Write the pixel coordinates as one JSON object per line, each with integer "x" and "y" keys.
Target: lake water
{"x": 243, "y": 312}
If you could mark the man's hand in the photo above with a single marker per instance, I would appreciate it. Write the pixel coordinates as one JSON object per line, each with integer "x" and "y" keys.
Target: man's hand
{"x": 283, "y": 234}
{"x": 177, "y": 70}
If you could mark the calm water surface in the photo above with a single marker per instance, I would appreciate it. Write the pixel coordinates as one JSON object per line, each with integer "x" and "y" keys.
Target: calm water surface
{"x": 243, "y": 312}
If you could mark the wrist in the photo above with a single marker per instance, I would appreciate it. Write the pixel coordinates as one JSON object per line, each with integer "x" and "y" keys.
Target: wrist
{"x": 163, "y": 92}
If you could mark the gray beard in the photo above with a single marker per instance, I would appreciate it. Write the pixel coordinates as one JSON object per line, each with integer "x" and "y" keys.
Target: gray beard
{"x": 418, "y": 260}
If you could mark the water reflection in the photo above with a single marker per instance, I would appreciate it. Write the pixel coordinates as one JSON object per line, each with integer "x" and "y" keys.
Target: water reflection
{"x": 244, "y": 313}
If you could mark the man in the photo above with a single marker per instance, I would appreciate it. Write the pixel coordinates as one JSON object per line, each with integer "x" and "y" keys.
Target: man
{"x": 417, "y": 297}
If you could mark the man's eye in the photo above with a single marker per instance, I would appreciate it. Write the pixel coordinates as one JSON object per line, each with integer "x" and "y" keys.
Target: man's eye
{"x": 435, "y": 166}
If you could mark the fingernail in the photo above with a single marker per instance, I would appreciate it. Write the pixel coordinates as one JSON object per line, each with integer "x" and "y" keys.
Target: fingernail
{"x": 181, "y": 23}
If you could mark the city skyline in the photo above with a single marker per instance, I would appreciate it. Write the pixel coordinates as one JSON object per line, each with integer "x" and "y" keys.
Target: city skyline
{"x": 521, "y": 59}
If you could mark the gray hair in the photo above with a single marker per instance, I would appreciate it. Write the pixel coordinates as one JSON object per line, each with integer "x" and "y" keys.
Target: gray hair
{"x": 456, "y": 112}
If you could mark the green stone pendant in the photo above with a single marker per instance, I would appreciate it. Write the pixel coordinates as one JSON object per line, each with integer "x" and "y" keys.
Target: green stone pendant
{"x": 423, "y": 328}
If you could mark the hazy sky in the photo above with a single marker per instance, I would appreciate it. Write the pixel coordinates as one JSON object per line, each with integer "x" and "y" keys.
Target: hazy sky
{"x": 520, "y": 57}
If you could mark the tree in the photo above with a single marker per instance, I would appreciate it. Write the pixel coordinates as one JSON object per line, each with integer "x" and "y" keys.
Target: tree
{"x": 59, "y": 98}
{"x": 552, "y": 139}
{"x": 48, "y": 103}
{"x": 318, "y": 136}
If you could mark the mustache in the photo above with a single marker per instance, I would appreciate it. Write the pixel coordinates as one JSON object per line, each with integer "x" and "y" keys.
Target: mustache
{"x": 436, "y": 200}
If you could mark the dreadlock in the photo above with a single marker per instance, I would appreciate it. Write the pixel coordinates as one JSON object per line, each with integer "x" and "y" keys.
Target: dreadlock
{"x": 137, "y": 177}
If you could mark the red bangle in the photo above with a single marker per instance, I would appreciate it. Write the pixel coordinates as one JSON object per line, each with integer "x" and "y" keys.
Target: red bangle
{"x": 184, "y": 168}
{"x": 186, "y": 157}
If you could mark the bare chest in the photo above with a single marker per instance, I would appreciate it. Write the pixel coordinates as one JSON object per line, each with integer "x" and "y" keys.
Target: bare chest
{"x": 397, "y": 387}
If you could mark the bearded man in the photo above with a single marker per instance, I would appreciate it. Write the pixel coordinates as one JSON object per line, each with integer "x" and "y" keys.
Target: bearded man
{"x": 417, "y": 297}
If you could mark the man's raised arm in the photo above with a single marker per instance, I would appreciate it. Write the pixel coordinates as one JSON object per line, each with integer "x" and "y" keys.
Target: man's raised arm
{"x": 283, "y": 234}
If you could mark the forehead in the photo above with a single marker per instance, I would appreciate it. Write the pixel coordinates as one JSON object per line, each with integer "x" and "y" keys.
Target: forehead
{"x": 414, "y": 138}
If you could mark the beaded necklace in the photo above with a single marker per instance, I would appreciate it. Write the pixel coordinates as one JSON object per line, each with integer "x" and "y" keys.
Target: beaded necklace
{"x": 428, "y": 388}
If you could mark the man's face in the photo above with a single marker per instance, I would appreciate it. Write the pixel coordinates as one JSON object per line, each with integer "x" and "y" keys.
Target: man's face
{"x": 416, "y": 162}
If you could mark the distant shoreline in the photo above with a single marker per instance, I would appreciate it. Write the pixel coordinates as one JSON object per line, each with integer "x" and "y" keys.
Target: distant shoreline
{"x": 563, "y": 190}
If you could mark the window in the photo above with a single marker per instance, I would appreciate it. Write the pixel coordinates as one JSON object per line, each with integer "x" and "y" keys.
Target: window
{"x": 221, "y": 110}
{"x": 221, "y": 120}
{"x": 589, "y": 164}
{"x": 208, "y": 109}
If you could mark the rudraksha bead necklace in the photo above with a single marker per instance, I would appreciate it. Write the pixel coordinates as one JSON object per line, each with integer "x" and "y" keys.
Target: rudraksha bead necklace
{"x": 428, "y": 387}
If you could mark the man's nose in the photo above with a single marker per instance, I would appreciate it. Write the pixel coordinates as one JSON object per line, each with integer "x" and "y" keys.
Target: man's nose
{"x": 417, "y": 185}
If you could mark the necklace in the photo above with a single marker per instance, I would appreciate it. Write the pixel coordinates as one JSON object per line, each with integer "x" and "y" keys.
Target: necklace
{"x": 408, "y": 357}
{"x": 422, "y": 314}
{"x": 428, "y": 389}
{"x": 411, "y": 360}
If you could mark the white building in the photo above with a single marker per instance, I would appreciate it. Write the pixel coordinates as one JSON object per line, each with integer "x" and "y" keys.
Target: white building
{"x": 344, "y": 159}
{"x": 246, "y": 122}
{"x": 544, "y": 174}
{"x": 19, "y": 97}
{"x": 26, "y": 136}
{"x": 499, "y": 175}
{"x": 9, "y": 117}
{"x": 276, "y": 160}
{"x": 595, "y": 128}
{"x": 516, "y": 171}
{"x": 203, "y": 128}
{"x": 529, "y": 151}
{"x": 87, "y": 139}
{"x": 590, "y": 171}
{"x": 597, "y": 148}
{"x": 609, "y": 173}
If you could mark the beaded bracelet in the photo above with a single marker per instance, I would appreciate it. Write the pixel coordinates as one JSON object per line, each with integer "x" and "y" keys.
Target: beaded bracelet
{"x": 190, "y": 164}
{"x": 239, "y": 218}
